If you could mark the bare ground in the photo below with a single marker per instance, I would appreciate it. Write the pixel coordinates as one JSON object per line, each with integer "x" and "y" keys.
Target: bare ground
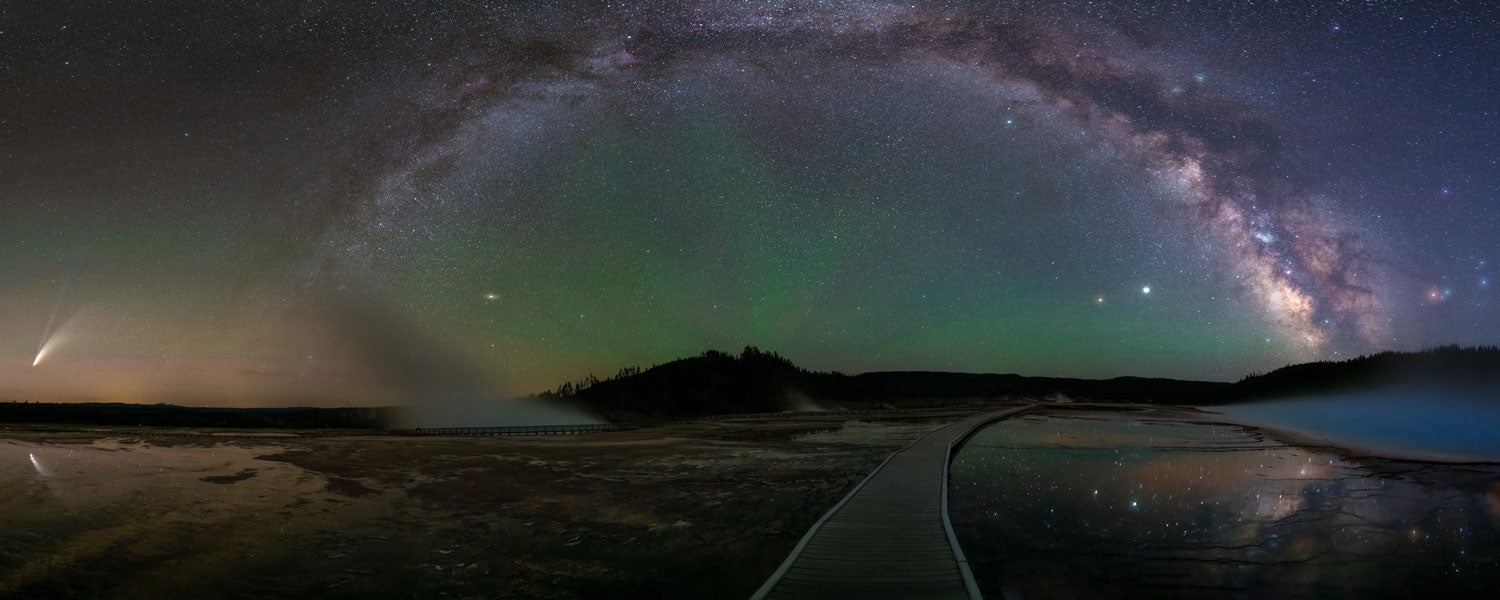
{"x": 701, "y": 509}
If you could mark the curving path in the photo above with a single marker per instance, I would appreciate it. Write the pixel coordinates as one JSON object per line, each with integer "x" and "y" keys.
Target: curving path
{"x": 890, "y": 537}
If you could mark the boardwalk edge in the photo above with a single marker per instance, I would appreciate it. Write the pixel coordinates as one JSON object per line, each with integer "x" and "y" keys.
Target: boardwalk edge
{"x": 970, "y": 585}
{"x": 775, "y": 577}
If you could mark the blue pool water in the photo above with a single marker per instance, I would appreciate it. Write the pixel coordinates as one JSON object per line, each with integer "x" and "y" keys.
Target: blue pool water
{"x": 1445, "y": 424}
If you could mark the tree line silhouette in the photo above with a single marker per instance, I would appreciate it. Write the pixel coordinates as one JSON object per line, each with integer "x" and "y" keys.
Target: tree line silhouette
{"x": 755, "y": 380}
{"x": 168, "y": 415}
{"x": 1449, "y": 365}
{"x": 717, "y": 382}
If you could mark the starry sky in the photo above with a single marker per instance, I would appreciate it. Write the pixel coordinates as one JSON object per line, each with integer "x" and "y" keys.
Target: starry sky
{"x": 269, "y": 203}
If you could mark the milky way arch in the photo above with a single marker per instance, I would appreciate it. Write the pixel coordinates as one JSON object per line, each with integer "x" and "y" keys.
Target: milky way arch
{"x": 514, "y": 80}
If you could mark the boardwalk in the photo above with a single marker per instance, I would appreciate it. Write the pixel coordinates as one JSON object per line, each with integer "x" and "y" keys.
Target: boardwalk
{"x": 890, "y": 537}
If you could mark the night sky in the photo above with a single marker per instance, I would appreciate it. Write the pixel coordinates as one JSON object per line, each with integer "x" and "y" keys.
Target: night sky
{"x": 269, "y": 203}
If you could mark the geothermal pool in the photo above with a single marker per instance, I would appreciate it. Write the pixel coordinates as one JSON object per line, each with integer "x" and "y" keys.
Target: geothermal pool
{"x": 1451, "y": 425}
{"x": 1120, "y": 503}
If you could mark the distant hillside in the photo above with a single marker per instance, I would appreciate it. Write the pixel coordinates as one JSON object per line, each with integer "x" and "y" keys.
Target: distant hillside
{"x": 893, "y": 386}
{"x": 167, "y": 415}
{"x": 1442, "y": 366}
{"x": 756, "y": 381}
{"x": 712, "y": 383}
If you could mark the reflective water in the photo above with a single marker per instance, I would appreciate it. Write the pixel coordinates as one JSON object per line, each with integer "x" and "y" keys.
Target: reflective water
{"x": 1443, "y": 424}
{"x": 1092, "y": 504}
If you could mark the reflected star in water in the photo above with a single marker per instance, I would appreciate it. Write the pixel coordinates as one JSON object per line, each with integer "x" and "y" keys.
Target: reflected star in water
{"x": 1207, "y": 505}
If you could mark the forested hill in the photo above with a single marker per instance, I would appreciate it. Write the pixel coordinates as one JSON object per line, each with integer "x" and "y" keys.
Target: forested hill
{"x": 1443, "y": 366}
{"x": 756, "y": 381}
{"x": 711, "y": 383}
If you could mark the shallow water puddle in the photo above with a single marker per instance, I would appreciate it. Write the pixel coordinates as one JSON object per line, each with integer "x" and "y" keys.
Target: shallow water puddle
{"x": 1068, "y": 503}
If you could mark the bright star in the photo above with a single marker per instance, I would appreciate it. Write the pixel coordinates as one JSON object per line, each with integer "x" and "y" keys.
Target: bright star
{"x": 1146, "y": 290}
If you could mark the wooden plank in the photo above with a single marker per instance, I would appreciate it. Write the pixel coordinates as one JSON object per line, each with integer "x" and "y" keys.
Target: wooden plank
{"x": 890, "y": 537}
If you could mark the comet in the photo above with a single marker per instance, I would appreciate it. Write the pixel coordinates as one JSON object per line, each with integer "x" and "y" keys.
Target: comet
{"x": 47, "y": 333}
{"x": 49, "y": 341}
{"x": 57, "y": 336}
{"x": 40, "y": 354}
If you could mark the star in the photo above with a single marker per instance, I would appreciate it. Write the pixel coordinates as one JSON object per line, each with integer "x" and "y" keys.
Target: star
{"x": 839, "y": 180}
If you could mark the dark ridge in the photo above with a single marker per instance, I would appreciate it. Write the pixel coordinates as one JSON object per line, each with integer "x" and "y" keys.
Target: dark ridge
{"x": 168, "y": 415}
{"x": 757, "y": 381}
{"x": 1445, "y": 366}
{"x": 716, "y": 383}
{"x": 711, "y": 383}
{"x": 890, "y": 386}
